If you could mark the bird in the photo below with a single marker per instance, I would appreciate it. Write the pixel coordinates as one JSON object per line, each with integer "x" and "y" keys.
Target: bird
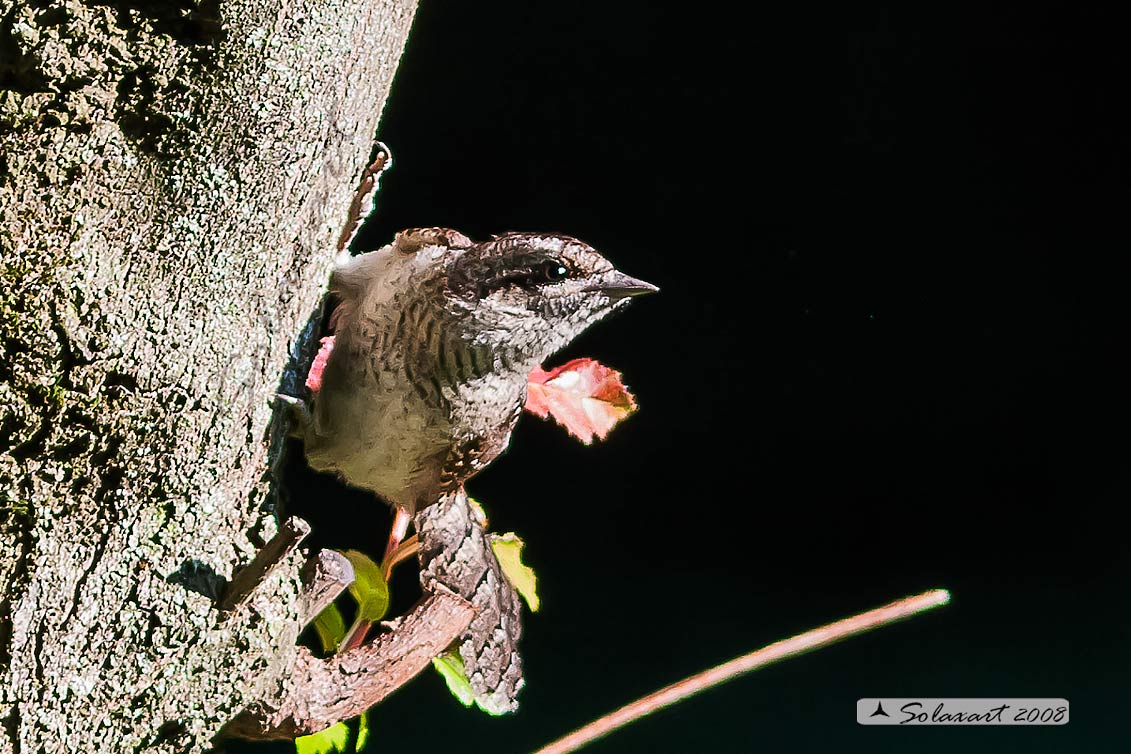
{"x": 434, "y": 337}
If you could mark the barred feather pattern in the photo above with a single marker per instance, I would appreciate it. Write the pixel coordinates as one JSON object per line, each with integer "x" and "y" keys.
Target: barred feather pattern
{"x": 435, "y": 339}
{"x": 455, "y": 554}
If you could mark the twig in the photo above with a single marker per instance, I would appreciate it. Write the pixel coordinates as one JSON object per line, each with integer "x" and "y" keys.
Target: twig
{"x": 818, "y": 637}
{"x": 324, "y": 577}
{"x": 290, "y": 534}
{"x": 362, "y": 204}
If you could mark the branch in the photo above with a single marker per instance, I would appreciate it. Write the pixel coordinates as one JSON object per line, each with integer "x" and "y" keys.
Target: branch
{"x": 362, "y": 205}
{"x": 248, "y": 578}
{"x": 818, "y": 637}
{"x": 324, "y": 577}
{"x": 323, "y": 692}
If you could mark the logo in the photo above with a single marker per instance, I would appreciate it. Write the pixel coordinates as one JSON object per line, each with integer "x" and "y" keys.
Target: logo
{"x": 964, "y": 712}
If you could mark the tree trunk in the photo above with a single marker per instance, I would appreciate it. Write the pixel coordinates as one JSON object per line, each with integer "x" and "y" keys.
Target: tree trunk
{"x": 172, "y": 180}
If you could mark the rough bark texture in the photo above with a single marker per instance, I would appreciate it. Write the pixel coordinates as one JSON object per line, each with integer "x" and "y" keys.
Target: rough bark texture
{"x": 352, "y": 682}
{"x": 456, "y": 556}
{"x": 172, "y": 180}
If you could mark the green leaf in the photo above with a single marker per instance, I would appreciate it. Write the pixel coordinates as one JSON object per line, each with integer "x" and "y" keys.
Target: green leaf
{"x": 450, "y": 665}
{"x": 362, "y": 731}
{"x": 368, "y": 587}
{"x": 336, "y": 738}
{"x": 331, "y": 628}
{"x": 508, "y": 549}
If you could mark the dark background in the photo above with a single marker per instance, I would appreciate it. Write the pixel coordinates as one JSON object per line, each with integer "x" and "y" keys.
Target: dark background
{"x": 884, "y": 360}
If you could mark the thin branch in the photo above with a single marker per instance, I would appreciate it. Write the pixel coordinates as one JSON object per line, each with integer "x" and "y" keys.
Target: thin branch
{"x": 797, "y": 645}
{"x": 362, "y": 205}
{"x": 324, "y": 577}
{"x": 290, "y": 534}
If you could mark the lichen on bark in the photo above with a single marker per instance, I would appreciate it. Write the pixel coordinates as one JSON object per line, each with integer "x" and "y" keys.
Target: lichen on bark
{"x": 172, "y": 177}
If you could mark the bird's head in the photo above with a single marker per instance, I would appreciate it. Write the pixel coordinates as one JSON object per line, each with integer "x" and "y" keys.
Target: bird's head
{"x": 533, "y": 293}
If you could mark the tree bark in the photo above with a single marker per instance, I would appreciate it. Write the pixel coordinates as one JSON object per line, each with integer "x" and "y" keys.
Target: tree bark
{"x": 172, "y": 180}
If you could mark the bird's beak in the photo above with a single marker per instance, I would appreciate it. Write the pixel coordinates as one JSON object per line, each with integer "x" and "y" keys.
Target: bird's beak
{"x": 616, "y": 285}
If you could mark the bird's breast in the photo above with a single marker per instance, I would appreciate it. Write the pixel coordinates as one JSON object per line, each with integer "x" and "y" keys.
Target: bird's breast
{"x": 406, "y": 412}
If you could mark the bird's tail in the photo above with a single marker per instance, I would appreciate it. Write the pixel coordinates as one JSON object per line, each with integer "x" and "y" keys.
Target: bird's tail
{"x": 455, "y": 553}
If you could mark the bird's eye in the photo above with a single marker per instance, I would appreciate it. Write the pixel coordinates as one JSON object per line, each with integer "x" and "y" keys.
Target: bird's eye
{"x": 554, "y": 271}
{"x": 531, "y": 277}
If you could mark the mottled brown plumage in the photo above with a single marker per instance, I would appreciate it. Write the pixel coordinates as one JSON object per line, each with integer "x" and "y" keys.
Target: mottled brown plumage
{"x": 434, "y": 339}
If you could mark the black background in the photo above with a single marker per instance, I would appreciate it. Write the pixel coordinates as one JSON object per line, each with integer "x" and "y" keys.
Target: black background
{"x": 884, "y": 360}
